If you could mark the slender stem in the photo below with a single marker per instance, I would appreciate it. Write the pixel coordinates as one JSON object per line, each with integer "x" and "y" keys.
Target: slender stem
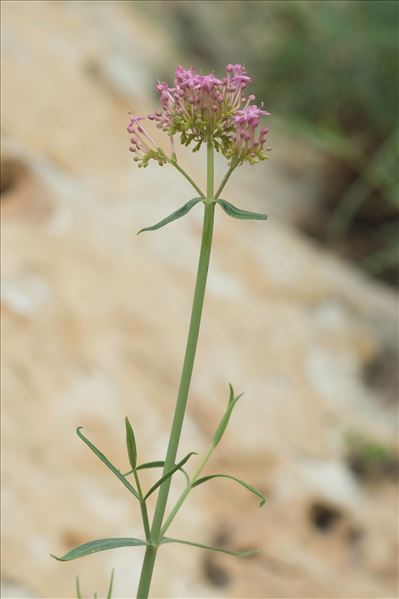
{"x": 225, "y": 179}
{"x": 185, "y": 380}
{"x": 146, "y": 572}
{"x": 143, "y": 508}
{"x": 210, "y": 171}
{"x": 186, "y": 491}
{"x": 187, "y": 176}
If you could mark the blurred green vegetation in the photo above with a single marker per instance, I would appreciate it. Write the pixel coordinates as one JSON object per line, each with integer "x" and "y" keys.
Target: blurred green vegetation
{"x": 330, "y": 70}
{"x": 370, "y": 459}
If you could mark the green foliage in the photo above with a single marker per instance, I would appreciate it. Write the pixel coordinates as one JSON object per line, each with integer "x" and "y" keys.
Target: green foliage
{"x": 226, "y": 417}
{"x": 204, "y": 479}
{"x": 210, "y": 547}
{"x": 109, "y": 592}
{"x": 174, "y": 216}
{"x": 169, "y": 474}
{"x": 113, "y": 543}
{"x": 106, "y": 461}
{"x": 154, "y": 534}
{"x": 160, "y": 464}
{"x": 238, "y": 213}
{"x": 78, "y": 593}
{"x": 131, "y": 444}
{"x": 370, "y": 459}
{"x": 98, "y": 545}
{"x": 111, "y": 584}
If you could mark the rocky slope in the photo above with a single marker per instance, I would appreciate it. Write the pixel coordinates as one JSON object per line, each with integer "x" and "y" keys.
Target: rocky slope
{"x": 94, "y": 324}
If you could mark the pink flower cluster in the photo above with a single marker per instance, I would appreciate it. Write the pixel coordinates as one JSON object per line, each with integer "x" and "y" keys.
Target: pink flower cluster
{"x": 142, "y": 144}
{"x": 202, "y": 108}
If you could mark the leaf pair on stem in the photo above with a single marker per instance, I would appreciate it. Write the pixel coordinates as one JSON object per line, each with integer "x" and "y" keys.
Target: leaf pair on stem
{"x": 227, "y": 207}
{"x": 113, "y": 543}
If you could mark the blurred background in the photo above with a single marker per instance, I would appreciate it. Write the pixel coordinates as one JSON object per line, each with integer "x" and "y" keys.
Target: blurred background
{"x": 301, "y": 311}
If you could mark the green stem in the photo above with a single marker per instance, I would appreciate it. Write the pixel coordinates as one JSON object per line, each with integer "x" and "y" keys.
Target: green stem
{"x": 187, "y": 176}
{"x": 186, "y": 491}
{"x": 146, "y": 572}
{"x": 191, "y": 347}
{"x": 143, "y": 508}
{"x": 210, "y": 171}
{"x": 225, "y": 179}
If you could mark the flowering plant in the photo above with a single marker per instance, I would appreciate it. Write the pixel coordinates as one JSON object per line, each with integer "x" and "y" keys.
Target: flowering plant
{"x": 202, "y": 108}
{"x": 216, "y": 112}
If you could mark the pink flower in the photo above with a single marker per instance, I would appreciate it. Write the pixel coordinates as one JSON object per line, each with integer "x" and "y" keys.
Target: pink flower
{"x": 142, "y": 144}
{"x": 201, "y": 108}
{"x": 250, "y": 115}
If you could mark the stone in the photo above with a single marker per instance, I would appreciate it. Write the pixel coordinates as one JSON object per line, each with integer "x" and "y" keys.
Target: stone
{"x": 94, "y": 322}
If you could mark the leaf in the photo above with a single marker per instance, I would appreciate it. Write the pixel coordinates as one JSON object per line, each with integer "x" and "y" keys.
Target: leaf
{"x": 131, "y": 444}
{"x": 78, "y": 593}
{"x": 226, "y": 417}
{"x": 210, "y": 547}
{"x": 241, "y": 214}
{"x": 169, "y": 474}
{"x": 158, "y": 464}
{"x": 98, "y": 545}
{"x": 237, "y": 480}
{"x": 106, "y": 461}
{"x": 111, "y": 583}
{"x": 232, "y": 398}
{"x": 174, "y": 216}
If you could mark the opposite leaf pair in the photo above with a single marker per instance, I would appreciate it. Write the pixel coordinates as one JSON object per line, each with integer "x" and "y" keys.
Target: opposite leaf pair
{"x": 112, "y": 543}
{"x": 227, "y": 207}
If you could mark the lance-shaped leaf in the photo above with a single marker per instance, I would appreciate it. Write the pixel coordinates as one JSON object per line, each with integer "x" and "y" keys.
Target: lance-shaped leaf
{"x": 241, "y": 214}
{"x": 210, "y": 547}
{"x": 174, "y": 216}
{"x": 131, "y": 444}
{"x": 169, "y": 473}
{"x": 106, "y": 461}
{"x": 99, "y": 545}
{"x": 204, "y": 479}
{"x": 111, "y": 583}
{"x": 161, "y": 464}
{"x": 226, "y": 417}
{"x": 157, "y": 464}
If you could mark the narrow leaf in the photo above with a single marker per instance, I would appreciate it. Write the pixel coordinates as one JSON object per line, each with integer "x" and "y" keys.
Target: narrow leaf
{"x": 106, "y": 461}
{"x": 241, "y": 214}
{"x": 159, "y": 464}
{"x": 169, "y": 474}
{"x": 233, "y": 398}
{"x": 226, "y": 417}
{"x": 174, "y": 216}
{"x": 78, "y": 593}
{"x": 237, "y": 480}
{"x": 131, "y": 444}
{"x": 232, "y": 394}
{"x": 98, "y": 545}
{"x": 111, "y": 583}
{"x": 210, "y": 547}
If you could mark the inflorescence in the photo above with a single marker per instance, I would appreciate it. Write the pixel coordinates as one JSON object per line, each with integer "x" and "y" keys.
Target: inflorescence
{"x": 204, "y": 109}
